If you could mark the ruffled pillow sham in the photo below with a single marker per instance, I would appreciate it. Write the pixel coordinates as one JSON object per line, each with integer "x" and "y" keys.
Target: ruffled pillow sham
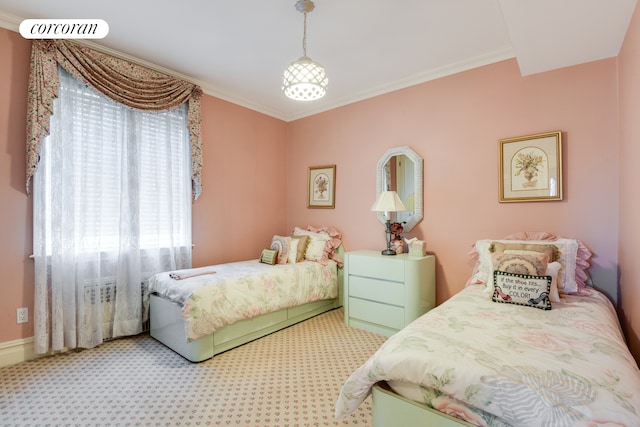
{"x": 327, "y": 240}
{"x": 316, "y": 245}
{"x": 571, "y": 254}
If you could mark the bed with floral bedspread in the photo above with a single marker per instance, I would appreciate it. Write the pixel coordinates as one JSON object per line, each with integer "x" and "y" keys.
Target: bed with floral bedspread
{"x": 243, "y": 290}
{"x": 201, "y": 312}
{"x": 502, "y": 364}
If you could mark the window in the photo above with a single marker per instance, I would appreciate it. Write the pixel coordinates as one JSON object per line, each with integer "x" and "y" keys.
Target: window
{"x": 122, "y": 168}
{"x": 111, "y": 207}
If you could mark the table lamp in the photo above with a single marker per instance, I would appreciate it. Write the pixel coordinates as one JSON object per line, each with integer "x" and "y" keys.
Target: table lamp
{"x": 387, "y": 202}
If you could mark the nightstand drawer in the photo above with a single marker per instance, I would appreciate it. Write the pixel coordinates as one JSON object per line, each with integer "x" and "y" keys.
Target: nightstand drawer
{"x": 384, "y": 293}
{"x": 382, "y": 268}
{"x": 376, "y": 290}
{"x": 375, "y": 312}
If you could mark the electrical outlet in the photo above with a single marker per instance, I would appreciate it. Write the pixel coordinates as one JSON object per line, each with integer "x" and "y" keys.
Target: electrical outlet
{"x": 22, "y": 315}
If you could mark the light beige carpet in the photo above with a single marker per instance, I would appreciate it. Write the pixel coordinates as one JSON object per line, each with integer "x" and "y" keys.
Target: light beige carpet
{"x": 289, "y": 378}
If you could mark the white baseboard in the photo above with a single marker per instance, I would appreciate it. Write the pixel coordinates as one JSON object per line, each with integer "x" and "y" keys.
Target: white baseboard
{"x": 22, "y": 350}
{"x": 12, "y": 352}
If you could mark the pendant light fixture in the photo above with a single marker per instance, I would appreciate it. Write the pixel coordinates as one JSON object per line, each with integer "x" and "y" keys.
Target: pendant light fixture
{"x": 304, "y": 79}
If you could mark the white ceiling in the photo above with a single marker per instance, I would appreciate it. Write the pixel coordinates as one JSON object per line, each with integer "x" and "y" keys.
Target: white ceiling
{"x": 237, "y": 50}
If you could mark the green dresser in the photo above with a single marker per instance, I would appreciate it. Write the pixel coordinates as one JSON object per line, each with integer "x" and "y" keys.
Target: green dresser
{"x": 385, "y": 293}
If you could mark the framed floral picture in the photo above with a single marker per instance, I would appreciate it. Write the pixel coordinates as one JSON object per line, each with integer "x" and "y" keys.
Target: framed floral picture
{"x": 531, "y": 168}
{"x": 322, "y": 187}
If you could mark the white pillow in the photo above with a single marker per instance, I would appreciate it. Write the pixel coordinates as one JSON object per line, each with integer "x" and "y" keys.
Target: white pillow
{"x": 315, "y": 250}
{"x": 317, "y": 243}
{"x": 568, "y": 250}
{"x": 553, "y": 268}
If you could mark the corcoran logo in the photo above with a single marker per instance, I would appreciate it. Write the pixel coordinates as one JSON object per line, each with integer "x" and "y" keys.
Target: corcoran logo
{"x": 64, "y": 29}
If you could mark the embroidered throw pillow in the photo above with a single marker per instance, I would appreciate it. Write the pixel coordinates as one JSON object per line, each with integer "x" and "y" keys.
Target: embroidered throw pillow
{"x": 550, "y": 250}
{"x": 522, "y": 289}
{"x": 572, "y": 254}
{"x": 533, "y": 264}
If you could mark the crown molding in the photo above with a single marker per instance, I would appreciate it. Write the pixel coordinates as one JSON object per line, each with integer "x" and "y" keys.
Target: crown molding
{"x": 12, "y": 22}
{"x": 416, "y": 79}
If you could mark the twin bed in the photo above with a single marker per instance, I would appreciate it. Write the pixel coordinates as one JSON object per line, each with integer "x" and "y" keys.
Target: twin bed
{"x": 517, "y": 356}
{"x": 204, "y": 311}
{"x": 528, "y": 341}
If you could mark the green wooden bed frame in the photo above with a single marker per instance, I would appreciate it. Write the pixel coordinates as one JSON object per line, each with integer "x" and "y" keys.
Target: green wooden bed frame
{"x": 392, "y": 410}
{"x": 167, "y": 325}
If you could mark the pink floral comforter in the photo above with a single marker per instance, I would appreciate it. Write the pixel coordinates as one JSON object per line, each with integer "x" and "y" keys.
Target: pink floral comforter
{"x": 499, "y": 364}
{"x": 242, "y": 290}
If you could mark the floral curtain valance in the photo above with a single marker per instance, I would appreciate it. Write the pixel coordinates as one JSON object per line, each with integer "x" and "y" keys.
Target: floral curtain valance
{"x": 130, "y": 84}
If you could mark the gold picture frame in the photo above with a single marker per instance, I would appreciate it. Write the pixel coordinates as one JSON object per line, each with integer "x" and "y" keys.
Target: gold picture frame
{"x": 321, "y": 187}
{"x": 531, "y": 168}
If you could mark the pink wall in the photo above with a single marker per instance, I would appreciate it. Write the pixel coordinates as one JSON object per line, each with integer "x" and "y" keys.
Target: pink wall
{"x": 244, "y": 184}
{"x": 241, "y": 207}
{"x": 255, "y": 170}
{"x": 629, "y": 208}
{"x": 16, "y": 286}
{"x": 454, "y": 123}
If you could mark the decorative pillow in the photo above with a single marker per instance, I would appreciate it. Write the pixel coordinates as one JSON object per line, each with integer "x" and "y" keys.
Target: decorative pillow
{"x": 281, "y": 244}
{"x": 317, "y": 243}
{"x": 269, "y": 256}
{"x": 568, "y": 276}
{"x": 293, "y": 251}
{"x": 315, "y": 250}
{"x": 522, "y": 289}
{"x": 553, "y": 268}
{"x": 297, "y": 248}
{"x": 550, "y": 250}
{"x": 483, "y": 268}
{"x": 583, "y": 256}
{"x": 532, "y": 264}
{"x": 331, "y": 250}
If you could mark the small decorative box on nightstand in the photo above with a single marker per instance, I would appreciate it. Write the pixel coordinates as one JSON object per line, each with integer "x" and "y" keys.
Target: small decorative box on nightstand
{"x": 385, "y": 293}
{"x": 417, "y": 248}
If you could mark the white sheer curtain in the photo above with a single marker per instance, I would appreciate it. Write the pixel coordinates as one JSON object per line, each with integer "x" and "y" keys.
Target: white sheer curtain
{"x": 112, "y": 206}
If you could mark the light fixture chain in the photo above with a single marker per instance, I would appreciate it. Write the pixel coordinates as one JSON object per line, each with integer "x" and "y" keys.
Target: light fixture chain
{"x": 304, "y": 36}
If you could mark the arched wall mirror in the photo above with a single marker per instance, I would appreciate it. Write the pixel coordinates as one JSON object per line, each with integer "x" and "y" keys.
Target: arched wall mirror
{"x": 400, "y": 169}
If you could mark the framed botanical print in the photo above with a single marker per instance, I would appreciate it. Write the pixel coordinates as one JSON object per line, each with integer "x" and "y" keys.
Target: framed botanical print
{"x": 322, "y": 187}
{"x": 531, "y": 168}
